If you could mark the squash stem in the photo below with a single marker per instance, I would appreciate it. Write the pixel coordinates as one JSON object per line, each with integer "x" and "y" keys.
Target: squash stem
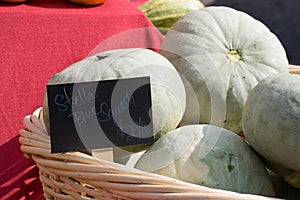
{"x": 233, "y": 55}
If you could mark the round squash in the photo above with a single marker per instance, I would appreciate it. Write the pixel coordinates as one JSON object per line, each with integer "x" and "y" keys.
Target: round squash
{"x": 13, "y": 1}
{"x": 167, "y": 89}
{"x": 221, "y": 54}
{"x": 88, "y": 2}
{"x": 210, "y": 156}
{"x": 271, "y": 124}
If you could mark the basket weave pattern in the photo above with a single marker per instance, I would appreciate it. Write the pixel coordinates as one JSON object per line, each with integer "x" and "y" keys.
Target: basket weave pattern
{"x": 76, "y": 175}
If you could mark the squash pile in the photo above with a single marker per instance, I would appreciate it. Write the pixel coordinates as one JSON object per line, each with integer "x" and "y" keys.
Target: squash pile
{"x": 220, "y": 74}
{"x": 235, "y": 72}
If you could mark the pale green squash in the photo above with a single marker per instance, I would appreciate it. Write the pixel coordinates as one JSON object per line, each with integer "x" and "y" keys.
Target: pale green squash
{"x": 167, "y": 89}
{"x": 210, "y": 156}
{"x": 271, "y": 123}
{"x": 222, "y": 54}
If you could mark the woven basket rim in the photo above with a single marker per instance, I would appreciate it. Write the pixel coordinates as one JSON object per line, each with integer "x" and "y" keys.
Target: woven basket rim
{"x": 75, "y": 175}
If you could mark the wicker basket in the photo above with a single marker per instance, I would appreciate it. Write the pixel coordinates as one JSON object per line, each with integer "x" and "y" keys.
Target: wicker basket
{"x": 294, "y": 69}
{"x": 77, "y": 175}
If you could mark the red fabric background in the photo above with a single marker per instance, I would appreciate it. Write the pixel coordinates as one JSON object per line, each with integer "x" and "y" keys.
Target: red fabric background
{"x": 38, "y": 39}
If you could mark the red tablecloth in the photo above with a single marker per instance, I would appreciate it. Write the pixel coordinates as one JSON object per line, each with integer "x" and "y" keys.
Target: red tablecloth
{"x": 38, "y": 39}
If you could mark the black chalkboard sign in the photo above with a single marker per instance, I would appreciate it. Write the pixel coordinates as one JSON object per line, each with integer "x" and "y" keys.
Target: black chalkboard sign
{"x": 100, "y": 114}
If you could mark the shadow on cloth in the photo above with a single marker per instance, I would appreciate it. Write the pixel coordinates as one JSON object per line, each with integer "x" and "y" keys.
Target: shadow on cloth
{"x": 18, "y": 175}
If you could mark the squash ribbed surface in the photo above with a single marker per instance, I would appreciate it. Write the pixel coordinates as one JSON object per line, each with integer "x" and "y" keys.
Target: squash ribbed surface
{"x": 208, "y": 155}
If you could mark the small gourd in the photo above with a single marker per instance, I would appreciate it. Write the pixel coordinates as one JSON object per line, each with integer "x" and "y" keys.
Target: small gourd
{"x": 164, "y": 13}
